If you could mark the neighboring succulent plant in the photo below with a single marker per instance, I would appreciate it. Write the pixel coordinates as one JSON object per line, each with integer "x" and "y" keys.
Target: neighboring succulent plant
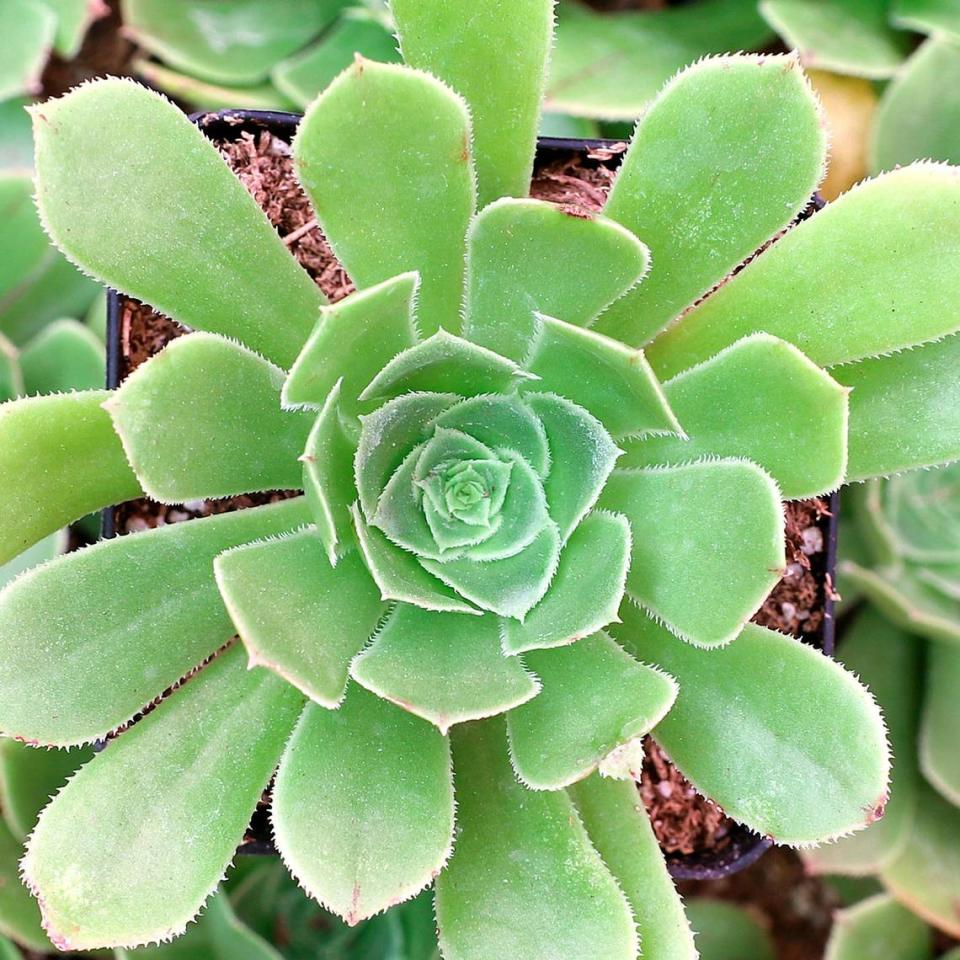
{"x": 484, "y": 484}
{"x": 906, "y": 646}
{"x": 266, "y": 54}
{"x": 879, "y": 927}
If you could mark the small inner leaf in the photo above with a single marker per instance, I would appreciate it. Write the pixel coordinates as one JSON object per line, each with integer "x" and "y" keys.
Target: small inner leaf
{"x": 445, "y": 363}
{"x": 583, "y": 456}
{"x": 586, "y": 592}
{"x": 352, "y": 341}
{"x": 444, "y": 667}
{"x": 612, "y": 381}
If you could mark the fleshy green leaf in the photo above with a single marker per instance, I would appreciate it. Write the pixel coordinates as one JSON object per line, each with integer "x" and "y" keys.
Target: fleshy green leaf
{"x": 55, "y": 289}
{"x": 912, "y": 604}
{"x": 204, "y": 95}
{"x": 717, "y": 525}
{"x": 236, "y": 42}
{"x": 11, "y": 378}
{"x": 388, "y": 436}
{"x": 609, "y": 65}
{"x": 510, "y": 587}
{"x": 457, "y": 41}
{"x": 586, "y": 591}
{"x": 939, "y": 757}
{"x": 445, "y": 364}
{"x": 585, "y": 455}
{"x": 43, "y": 550}
{"x": 16, "y": 140}
{"x": 926, "y": 875}
{"x": 893, "y": 287}
{"x": 728, "y": 932}
{"x": 8, "y": 950}
{"x": 878, "y": 927}
{"x": 29, "y": 777}
{"x": 595, "y": 699}
{"x": 526, "y": 858}
{"x": 103, "y": 879}
{"x": 66, "y": 640}
{"x": 405, "y": 200}
{"x": 689, "y": 190}
{"x": 202, "y": 419}
{"x": 620, "y": 829}
{"x": 296, "y": 614}
{"x": 363, "y": 805}
{"x": 501, "y": 423}
{"x": 801, "y": 757}
{"x": 228, "y": 937}
{"x": 919, "y": 113}
{"x": 927, "y": 16}
{"x": 91, "y": 166}
{"x": 73, "y": 20}
{"x": 732, "y": 406}
{"x": 904, "y": 409}
{"x": 353, "y": 341}
{"x": 527, "y": 256}
{"x": 28, "y": 32}
{"x": 304, "y": 75}
{"x": 23, "y": 245}
{"x": 66, "y": 355}
{"x": 918, "y": 516}
{"x": 444, "y": 667}
{"x": 612, "y": 381}
{"x": 845, "y": 36}
{"x": 399, "y": 574}
{"x": 328, "y": 476}
{"x": 19, "y": 914}
{"x": 887, "y": 661}
{"x": 77, "y": 466}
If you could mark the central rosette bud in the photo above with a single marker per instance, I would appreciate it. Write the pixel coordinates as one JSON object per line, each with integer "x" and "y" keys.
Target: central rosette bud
{"x": 479, "y": 479}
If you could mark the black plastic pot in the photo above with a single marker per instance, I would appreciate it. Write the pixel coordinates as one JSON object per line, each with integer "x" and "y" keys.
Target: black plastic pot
{"x": 744, "y": 846}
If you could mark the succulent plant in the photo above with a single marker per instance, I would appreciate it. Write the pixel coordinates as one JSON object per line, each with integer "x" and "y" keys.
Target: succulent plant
{"x": 492, "y": 470}
{"x": 906, "y": 646}
{"x": 271, "y": 55}
{"x": 879, "y": 926}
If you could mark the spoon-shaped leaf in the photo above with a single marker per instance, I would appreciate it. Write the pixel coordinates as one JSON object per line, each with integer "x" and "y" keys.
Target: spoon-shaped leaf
{"x": 132, "y": 847}
{"x": 689, "y": 190}
{"x": 363, "y": 805}
{"x": 459, "y": 41}
{"x": 904, "y": 409}
{"x": 28, "y": 32}
{"x": 927, "y": 16}
{"x": 801, "y": 757}
{"x": 595, "y": 699}
{"x": 66, "y": 355}
{"x": 74, "y": 667}
{"x": 716, "y": 524}
{"x": 298, "y": 615}
{"x": 19, "y": 914}
{"x": 404, "y": 201}
{"x": 727, "y": 932}
{"x": 894, "y": 286}
{"x": 620, "y": 829}
{"x": 611, "y": 381}
{"x": 527, "y": 256}
{"x": 202, "y": 419}
{"x": 525, "y": 856}
{"x": 79, "y": 468}
{"x": 732, "y": 405}
{"x": 92, "y": 171}
{"x": 887, "y": 661}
